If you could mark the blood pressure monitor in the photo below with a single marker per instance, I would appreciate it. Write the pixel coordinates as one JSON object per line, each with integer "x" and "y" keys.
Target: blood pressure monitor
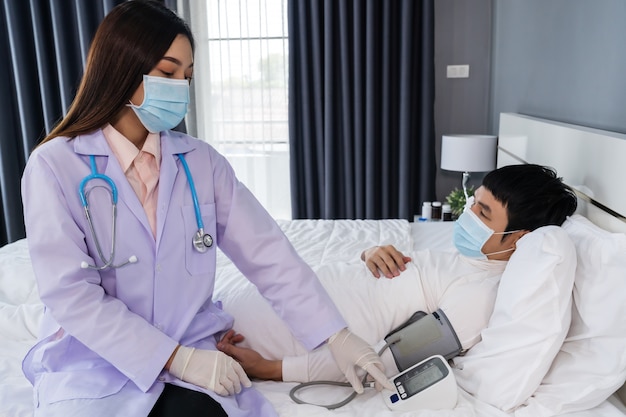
{"x": 429, "y": 384}
{"x": 420, "y": 348}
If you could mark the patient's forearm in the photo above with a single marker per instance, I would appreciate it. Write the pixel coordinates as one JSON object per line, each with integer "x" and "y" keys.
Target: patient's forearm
{"x": 312, "y": 366}
{"x": 255, "y": 365}
{"x": 266, "y": 369}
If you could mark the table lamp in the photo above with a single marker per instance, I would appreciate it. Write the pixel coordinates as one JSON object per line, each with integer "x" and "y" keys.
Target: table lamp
{"x": 468, "y": 153}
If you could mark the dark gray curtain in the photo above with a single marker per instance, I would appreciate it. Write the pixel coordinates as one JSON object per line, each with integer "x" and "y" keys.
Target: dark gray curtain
{"x": 43, "y": 48}
{"x": 361, "y": 92}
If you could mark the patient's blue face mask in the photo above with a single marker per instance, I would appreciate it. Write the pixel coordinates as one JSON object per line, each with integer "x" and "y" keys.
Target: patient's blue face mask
{"x": 164, "y": 104}
{"x": 470, "y": 235}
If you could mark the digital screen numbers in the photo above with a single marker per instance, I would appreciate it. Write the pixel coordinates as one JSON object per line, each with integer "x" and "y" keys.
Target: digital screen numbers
{"x": 420, "y": 379}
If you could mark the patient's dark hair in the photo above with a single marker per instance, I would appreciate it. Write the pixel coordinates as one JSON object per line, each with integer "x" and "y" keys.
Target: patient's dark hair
{"x": 533, "y": 195}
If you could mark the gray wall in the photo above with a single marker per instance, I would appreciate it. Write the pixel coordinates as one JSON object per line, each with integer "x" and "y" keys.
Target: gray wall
{"x": 561, "y": 59}
{"x": 558, "y": 59}
{"x": 462, "y": 36}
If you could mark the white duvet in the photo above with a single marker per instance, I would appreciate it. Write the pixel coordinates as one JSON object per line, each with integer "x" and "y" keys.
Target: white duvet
{"x": 319, "y": 242}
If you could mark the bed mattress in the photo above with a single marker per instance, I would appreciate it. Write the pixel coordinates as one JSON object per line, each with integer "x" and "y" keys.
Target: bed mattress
{"x": 319, "y": 242}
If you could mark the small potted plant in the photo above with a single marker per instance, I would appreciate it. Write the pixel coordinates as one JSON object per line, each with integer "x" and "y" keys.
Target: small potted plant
{"x": 456, "y": 199}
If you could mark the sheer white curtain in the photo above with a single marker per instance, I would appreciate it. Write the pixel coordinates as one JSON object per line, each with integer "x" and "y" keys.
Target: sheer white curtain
{"x": 240, "y": 91}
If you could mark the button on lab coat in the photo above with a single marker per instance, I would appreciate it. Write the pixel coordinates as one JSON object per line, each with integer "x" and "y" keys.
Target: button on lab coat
{"x": 107, "y": 335}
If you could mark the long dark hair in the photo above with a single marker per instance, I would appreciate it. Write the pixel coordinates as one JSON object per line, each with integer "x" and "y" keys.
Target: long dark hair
{"x": 129, "y": 43}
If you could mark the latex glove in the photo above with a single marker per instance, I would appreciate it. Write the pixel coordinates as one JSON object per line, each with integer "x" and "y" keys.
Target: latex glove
{"x": 210, "y": 369}
{"x": 351, "y": 351}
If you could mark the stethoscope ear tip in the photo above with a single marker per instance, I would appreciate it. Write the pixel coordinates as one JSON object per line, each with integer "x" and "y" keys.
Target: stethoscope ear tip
{"x": 84, "y": 265}
{"x": 132, "y": 259}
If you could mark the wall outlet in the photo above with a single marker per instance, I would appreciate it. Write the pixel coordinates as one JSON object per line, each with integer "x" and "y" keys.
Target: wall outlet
{"x": 457, "y": 71}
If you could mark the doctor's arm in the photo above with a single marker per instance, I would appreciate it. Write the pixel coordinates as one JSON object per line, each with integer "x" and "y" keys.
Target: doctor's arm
{"x": 262, "y": 252}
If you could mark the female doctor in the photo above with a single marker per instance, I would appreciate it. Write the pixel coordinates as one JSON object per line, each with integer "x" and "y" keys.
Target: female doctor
{"x": 123, "y": 244}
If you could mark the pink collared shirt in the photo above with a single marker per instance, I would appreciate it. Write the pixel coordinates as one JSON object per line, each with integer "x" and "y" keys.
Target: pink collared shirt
{"x": 141, "y": 167}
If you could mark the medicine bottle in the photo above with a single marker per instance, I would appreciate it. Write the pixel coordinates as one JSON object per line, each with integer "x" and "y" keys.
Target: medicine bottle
{"x": 446, "y": 213}
{"x": 436, "y": 211}
{"x": 427, "y": 210}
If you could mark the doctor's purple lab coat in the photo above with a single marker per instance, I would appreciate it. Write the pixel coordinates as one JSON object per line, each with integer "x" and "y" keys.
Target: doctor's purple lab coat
{"x": 106, "y": 335}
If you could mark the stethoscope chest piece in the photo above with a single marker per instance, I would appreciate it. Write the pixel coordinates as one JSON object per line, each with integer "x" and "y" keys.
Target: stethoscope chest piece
{"x": 202, "y": 241}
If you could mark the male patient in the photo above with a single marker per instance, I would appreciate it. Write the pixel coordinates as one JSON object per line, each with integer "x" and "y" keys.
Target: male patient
{"x": 512, "y": 202}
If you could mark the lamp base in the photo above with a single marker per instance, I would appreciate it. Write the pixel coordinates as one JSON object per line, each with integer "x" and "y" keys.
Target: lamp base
{"x": 466, "y": 176}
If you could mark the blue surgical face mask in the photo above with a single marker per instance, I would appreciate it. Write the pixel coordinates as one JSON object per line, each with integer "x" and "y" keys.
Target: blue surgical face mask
{"x": 470, "y": 235}
{"x": 164, "y": 104}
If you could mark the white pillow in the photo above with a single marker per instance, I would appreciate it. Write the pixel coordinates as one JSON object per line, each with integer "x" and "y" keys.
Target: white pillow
{"x": 529, "y": 323}
{"x": 592, "y": 362}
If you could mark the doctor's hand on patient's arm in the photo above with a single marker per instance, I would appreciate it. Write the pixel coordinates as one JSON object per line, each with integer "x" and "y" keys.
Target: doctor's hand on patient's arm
{"x": 210, "y": 369}
{"x": 351, "y": 351}
{"x": 386, "y": 259}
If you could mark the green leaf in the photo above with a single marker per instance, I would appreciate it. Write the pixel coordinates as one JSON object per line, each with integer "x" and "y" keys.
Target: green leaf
{"x": 456, "y": 199}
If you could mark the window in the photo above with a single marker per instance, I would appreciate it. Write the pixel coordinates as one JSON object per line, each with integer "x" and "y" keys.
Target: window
{"x": 240, "y": 91}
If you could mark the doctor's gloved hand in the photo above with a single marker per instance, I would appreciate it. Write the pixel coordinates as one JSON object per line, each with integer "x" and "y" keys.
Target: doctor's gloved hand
{"x": 351, "y": 351}
{"x": 210, "y": 369}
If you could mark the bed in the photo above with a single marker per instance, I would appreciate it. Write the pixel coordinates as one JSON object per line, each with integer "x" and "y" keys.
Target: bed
{"x": 593, "y": 166}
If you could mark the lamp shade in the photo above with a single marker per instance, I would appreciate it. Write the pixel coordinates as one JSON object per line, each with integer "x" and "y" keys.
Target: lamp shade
{"x": 468, "y": 153}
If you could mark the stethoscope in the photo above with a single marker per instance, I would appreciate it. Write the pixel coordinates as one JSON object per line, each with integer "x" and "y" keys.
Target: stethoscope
{"x": 201, "y": 241}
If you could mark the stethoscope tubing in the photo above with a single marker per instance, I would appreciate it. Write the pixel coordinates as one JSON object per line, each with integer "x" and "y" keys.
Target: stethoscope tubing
{"x": 107, "y": 262}
{"x": 84, "y": 201}
{"x": 194, "y": 194}
{"x": 201, "y": 240}
{"x": 93, "y": 176}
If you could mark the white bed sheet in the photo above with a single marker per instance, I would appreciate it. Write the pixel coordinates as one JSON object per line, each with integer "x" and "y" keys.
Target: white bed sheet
{"x": 318, "y": 241}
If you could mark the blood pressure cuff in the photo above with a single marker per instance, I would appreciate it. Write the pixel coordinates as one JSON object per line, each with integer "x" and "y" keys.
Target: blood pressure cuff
{"x": 422, "y": 336}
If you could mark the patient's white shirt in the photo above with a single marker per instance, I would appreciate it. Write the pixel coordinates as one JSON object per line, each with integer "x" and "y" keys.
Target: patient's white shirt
{"x": 464, "y": 288}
